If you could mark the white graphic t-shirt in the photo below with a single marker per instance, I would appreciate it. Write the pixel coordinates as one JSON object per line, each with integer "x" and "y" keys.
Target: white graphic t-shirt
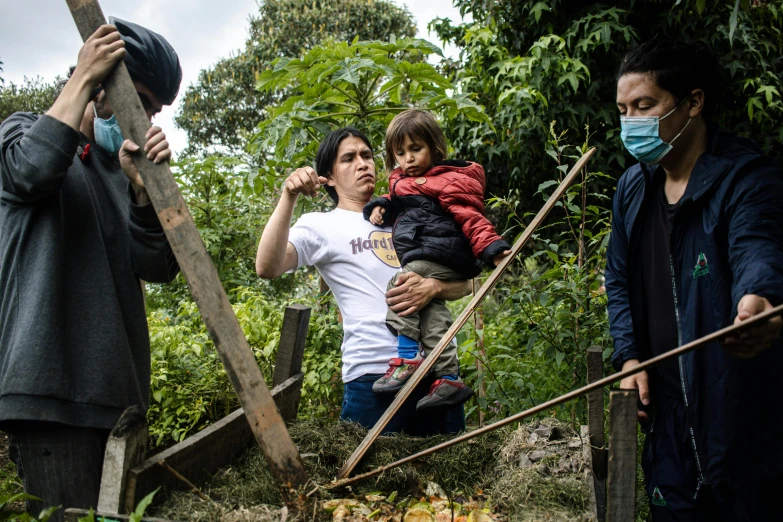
{"x": 356, "y": 259}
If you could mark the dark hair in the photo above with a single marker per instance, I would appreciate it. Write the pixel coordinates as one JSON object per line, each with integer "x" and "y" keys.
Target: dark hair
{"x": 417, "y": 125}
{"x": 679, "y": 68}
{"x": 327, "y": 153}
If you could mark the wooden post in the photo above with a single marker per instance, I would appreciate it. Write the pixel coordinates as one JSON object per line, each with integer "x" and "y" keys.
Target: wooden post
{"x": 124, "y": 449}
{"x": 194, "y": 261}
{"x": 621, "y": 485}
{"x": 478, "y": 317}
{"x": 289, "y": 356}
{"x": 595, "y": 421}
{"x": 73, "y": 515}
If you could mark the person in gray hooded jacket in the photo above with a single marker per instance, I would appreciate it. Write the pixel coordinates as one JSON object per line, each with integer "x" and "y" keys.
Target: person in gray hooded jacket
{"x": 77, "y": 233}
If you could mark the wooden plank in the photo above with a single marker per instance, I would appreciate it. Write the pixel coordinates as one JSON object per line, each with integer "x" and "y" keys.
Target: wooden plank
{"x": 125, "y": 448}
{"x": 429, "y": 361}
{"x": 73, "y": 515}
{"x": 198, "y": 457}
{"x": 621, "y": 484}
{"x": 290, "y": 353}
{"x": 595, "y": 416}
{"x": 194, "y": 261}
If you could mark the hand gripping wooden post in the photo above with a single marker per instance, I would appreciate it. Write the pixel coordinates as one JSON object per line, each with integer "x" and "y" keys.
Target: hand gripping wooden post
{"x": 429, "y": 361}
{"x": 259, "y": 407}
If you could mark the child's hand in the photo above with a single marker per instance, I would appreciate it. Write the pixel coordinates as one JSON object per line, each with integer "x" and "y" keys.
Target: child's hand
{"x": 376, "y": 218}
{"x": 499, "y": 257}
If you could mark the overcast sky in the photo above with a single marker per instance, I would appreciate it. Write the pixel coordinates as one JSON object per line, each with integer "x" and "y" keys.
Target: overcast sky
{"x": 39, "y": 38}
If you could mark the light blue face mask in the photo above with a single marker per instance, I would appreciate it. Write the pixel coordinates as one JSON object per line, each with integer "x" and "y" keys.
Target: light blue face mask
{"x": 640, "y": 136}
{"x": 107, "y": 133}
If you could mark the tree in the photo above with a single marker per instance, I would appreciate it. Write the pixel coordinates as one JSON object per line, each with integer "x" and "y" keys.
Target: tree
{"x": 221, "y": 111}
{"x": 533, "y": 62}
{"x": 364, "y": 84}
{"x": 34, "y": 95}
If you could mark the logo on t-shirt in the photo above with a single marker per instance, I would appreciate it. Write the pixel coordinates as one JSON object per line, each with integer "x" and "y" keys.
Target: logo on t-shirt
{"x": 380, "y": 244}
{"x": 701, "y": 268}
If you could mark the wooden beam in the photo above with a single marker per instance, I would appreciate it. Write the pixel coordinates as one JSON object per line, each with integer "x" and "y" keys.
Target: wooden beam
{"x": 290, "y": 353}
{"x": 73, "y": 515}
{"x": 198, "y": 457}
{"x": 621, "y": 485}
{"x": 194, "y": 261}
{"x": 587, "y": 456}
{"x": 429, "y": 361}
{"x": 595, "y": 416}
{"x": 125, "y": 448}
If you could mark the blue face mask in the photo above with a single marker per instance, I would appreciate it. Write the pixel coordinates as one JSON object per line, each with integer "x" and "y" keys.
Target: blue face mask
{"x": 640, "y": 136}
{"x": 107, "y": 133}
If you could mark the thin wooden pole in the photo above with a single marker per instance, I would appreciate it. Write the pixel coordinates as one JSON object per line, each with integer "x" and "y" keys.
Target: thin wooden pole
{"x": 194, "y": 261}
{"x": 698, "y": 343}
{"x": 621, "y": 485}
{"x": 595, "y": 422}
{"x": 429, "y": 361}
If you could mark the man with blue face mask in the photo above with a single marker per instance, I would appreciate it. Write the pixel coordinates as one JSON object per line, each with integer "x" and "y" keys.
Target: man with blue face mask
{"x": 77, "y": 233}
{"x": 697, "y": 245}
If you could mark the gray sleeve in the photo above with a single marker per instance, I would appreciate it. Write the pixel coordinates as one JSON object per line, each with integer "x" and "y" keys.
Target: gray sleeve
{"x": 151, "y": 254}
{"x": 35, "y": 153}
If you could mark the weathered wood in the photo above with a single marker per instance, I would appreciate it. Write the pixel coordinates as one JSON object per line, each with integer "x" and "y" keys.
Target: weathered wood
{"x": 584, "y": 390}
{"x": 621, "y": 484}
{"x": 125, "y": 448}
{"x": 587, "y": 456}
{"x": 478, "y": 318}
{"x": 200, "y": 456}
{"x": 73, "y": 515}
{"x": 595, "y": 416}
{"x": 194, "y": 261}
{"x": 290, "y": 353}
{"x": 432, "y": 357}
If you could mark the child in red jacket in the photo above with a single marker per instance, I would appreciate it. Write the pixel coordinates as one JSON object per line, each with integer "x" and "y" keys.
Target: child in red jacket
{"x": 439, "y": 231}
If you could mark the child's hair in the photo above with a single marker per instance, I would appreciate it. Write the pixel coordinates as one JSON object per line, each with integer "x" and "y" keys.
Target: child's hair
{"x": 418, "y": 125}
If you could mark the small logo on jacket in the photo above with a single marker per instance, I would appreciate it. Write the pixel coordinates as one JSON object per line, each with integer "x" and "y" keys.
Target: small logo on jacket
{"x": 701, "y": 268}
{"x": 657, "y": 498}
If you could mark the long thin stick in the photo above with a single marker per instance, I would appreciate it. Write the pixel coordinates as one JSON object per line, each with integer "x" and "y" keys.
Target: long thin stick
{"x": 698, "y": 343}
{"x": 429, "y": 361}
{"x": 193, "y": 488}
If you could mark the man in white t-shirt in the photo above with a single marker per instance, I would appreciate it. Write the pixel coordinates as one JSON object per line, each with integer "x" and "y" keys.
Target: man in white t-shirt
{"x": 356, "y": 259}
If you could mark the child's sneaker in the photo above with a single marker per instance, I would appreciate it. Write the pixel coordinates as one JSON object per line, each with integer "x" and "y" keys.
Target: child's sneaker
{"x": 445, "y": 393}
{"x": 400, "y": 370}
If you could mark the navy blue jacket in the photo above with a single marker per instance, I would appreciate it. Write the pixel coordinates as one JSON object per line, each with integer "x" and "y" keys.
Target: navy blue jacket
{"x": 726, "y": 242}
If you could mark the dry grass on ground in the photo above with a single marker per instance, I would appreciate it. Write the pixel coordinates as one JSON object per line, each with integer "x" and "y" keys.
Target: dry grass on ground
{"x": 519, "y": 473}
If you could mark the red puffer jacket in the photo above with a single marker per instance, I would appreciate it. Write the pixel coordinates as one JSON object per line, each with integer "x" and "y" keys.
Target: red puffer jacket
{"x": 440, "y": 217}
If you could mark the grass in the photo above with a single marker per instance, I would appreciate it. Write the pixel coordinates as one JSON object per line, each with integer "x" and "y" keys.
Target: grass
{"x": 487, "y": 468}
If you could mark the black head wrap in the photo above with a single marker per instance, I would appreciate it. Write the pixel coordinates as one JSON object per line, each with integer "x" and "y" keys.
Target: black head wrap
{"x": 150, "y": 59}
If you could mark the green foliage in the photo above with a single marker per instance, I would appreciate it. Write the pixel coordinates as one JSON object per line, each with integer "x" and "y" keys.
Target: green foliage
{"x": 552, "y": 309}
{"x": 363, "y": 84}
{"x": 223, "y": 108}
{"x": 7, "y": 513}
{"x": 189, "y": 385}
{"x": 34, "y": 95}
{"x": 533, "y": 62}
{"x": 136, "y": 516}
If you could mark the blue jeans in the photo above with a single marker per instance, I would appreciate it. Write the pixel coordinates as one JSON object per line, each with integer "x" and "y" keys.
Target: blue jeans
{"x": 363, "y": 406}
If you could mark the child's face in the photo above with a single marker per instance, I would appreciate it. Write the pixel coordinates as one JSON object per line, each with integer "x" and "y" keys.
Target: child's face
{"x": 413, "y": 157}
